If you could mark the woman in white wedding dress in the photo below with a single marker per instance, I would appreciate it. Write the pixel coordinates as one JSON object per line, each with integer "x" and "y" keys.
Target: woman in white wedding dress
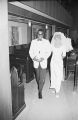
{"x": 59, "y": 48}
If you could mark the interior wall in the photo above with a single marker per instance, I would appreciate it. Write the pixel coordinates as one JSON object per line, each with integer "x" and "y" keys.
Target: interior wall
{"x": 5, "y": 82}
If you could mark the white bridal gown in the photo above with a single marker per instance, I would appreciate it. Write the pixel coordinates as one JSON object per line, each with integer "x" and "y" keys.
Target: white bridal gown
{"x": 56, "y": 67}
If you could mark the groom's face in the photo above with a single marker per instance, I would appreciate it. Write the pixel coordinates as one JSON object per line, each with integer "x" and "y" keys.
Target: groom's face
{"x": 40, "y": 35}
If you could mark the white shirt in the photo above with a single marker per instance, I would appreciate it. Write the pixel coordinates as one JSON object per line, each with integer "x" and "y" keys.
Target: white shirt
{"x": 40, "y": 49}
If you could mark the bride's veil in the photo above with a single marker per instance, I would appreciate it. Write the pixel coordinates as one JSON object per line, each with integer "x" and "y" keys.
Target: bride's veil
{"x": 66, "y": 42}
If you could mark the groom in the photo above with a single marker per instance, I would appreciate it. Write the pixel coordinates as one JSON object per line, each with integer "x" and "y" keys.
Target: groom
{"x": 40, "y": 50}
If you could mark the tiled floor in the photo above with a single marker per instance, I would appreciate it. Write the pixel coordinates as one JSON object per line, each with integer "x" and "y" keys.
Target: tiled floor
{"x": 50, "y": 108}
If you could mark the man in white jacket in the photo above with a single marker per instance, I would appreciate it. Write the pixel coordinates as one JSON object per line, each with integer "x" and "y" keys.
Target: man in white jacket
{"x": 40, "y": 50}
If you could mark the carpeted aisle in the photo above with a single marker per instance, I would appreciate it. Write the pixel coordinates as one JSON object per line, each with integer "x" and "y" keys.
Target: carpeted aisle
{"x": 50, "y": 108}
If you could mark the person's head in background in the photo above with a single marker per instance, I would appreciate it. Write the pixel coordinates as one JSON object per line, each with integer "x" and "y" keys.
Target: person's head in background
{"x": 40, "y": 34}
{"x": 66, "y": 35}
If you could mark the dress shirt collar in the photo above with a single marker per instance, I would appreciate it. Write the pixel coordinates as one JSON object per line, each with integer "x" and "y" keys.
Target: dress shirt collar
{"x": 39, "y": 39}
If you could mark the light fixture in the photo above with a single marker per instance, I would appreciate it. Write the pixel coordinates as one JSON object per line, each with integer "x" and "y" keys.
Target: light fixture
{"x": 29, "y": 23}
{"x": 46, "y": 26}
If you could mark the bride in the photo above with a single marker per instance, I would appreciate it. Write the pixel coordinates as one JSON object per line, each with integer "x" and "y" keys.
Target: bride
{"x": 59, "y": 49}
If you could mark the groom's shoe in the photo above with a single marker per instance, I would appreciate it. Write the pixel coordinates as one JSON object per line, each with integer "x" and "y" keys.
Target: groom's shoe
{"x": 40, "y": 95}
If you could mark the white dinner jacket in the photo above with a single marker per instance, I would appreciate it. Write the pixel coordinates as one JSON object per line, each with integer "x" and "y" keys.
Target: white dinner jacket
{"x": 40, "y": 49}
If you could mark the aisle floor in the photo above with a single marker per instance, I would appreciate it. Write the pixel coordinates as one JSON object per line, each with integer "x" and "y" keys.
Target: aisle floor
{"x": 50, "y": 108}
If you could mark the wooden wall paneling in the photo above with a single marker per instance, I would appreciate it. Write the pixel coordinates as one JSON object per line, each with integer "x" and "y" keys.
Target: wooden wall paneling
{"x": 57, "y": 11}
{"x": 51, "y": 11}
{"x": 44, "y": 6}
{"x": 53, "y": 29}
{"x": 31, "y": 4}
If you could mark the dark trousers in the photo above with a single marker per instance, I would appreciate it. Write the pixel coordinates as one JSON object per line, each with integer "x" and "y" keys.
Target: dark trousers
{"x": 40, "y": 77}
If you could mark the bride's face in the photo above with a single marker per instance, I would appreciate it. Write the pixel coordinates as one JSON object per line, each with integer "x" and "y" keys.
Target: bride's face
{"x": 57, "y": 40}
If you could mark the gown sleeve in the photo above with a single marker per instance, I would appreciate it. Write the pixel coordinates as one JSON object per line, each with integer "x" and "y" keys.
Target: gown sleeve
{"x": 63, "y": 52}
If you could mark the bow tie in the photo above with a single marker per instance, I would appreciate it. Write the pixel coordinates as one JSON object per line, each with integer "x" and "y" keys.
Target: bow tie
{"x": 39, "y": 39}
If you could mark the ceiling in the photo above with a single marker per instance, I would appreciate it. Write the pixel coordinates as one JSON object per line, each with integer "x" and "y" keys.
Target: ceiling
{"x": 64, "y": 2}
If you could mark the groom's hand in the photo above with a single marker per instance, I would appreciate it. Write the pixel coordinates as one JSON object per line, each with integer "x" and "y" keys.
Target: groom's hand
{"x": 41, "y": 59}
{"x": 38, "y": 59}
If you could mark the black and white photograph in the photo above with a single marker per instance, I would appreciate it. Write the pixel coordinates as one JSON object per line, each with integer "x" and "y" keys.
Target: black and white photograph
{"x": 38, "y": 59}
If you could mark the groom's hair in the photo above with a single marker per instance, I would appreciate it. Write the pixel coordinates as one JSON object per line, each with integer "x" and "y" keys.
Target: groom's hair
{"x": 40, "y": 30}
